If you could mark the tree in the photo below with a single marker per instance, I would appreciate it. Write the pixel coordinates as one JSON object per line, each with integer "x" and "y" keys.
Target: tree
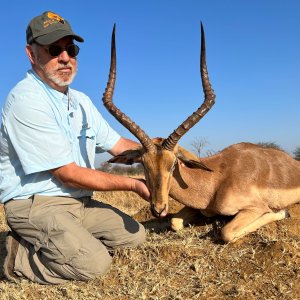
{"x": 297, "y": 153}
{"x": 270, "y": 145}
{"x": 105, "y": 167}
{"x": 132, "y": 170}
{"x": 198, "y": 144}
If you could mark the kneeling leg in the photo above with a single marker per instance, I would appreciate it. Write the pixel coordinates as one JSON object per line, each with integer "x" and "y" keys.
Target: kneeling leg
{"x": 65, "y": 251}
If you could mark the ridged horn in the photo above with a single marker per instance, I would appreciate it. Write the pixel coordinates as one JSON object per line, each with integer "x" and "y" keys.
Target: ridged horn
{"x": 209, "y": 100}
{"x": 117, "y": 113}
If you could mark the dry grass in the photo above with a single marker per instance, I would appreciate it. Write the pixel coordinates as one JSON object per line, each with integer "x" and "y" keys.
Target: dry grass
{"x": 192, "y": 264}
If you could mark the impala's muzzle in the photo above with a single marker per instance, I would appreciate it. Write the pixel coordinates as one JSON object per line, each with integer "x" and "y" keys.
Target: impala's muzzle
{"x": 159, "y": 214}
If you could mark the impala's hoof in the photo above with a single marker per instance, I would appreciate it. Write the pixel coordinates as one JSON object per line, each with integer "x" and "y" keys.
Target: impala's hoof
{"x": 176, "y": 224}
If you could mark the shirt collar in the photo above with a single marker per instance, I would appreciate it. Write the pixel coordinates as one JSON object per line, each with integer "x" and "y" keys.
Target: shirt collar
{"x": 67, "y": 99}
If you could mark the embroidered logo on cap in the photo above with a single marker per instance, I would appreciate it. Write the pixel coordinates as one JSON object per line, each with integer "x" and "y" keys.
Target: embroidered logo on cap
{"x": 53, "y": 18}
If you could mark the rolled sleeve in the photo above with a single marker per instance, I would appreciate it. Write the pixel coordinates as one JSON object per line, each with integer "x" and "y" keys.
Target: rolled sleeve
{"x": 106, "y": 137}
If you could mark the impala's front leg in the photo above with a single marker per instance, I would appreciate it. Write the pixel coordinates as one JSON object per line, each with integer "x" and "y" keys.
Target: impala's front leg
{"x": 184, "y": 217}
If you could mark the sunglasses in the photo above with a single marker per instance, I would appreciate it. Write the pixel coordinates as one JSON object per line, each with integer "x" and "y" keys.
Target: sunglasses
{"x": 56, "y": 50}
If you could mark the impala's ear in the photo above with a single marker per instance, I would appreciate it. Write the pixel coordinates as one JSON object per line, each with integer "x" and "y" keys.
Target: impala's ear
{"x": 191, "y": 160}
{"x": 127, "y": 157}
{"x": 194, "y": 164}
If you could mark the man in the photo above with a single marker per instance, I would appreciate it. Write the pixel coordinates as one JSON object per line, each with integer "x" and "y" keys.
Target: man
{"x": 48, "y": 139}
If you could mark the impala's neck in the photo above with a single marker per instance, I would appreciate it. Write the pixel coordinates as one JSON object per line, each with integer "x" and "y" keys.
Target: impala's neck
{"x": 188, "y": 187}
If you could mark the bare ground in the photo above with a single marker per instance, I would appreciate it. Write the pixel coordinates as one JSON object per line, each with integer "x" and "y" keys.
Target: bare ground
{"x": 191, "y": 264}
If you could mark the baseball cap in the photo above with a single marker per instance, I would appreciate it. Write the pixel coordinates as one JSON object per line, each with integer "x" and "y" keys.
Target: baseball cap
{"x": 48, "y": 28}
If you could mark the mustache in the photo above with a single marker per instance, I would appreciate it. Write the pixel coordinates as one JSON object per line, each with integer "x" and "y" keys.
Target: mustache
{"x": 63, "y": 66}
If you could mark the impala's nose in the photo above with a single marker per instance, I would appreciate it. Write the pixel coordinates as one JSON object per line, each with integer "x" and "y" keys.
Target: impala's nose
{"x": 158, "y": 212}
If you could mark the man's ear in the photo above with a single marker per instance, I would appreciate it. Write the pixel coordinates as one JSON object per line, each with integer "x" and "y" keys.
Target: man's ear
{"x": 30, "y": 54}
{"x": 191, "y": 160}
{"x": 127, "y": 157}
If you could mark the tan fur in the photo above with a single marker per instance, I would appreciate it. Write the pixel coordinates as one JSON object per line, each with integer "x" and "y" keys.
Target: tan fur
{"x": 252, "y": 183}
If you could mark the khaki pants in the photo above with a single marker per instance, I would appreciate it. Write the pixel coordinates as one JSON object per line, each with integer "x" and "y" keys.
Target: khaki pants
{"x": 65, "y": 238}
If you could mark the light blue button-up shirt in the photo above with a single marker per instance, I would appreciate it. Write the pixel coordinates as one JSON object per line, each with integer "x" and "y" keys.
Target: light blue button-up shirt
{"x": 44, "y": 129}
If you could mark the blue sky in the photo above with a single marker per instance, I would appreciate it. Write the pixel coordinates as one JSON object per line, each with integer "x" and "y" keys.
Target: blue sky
{"x": 253, "y": 58}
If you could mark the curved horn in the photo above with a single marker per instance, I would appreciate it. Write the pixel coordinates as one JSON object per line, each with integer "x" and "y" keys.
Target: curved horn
{"x": 107, "y": 101}
{"x": 208, "y": 102}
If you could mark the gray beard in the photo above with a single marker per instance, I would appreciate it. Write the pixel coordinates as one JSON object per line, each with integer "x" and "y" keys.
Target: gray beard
{"x": 55, "y": 78}
{"x": 58, "y": 81}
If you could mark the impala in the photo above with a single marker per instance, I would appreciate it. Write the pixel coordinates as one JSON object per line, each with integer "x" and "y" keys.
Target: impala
{"x": 251, "y": 183}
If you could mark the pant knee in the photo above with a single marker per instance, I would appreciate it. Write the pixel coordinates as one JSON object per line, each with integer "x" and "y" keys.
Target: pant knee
{"x": 99, "y": 265}
{"x": 94, "y": 265}
{"x": 137, "y": 238}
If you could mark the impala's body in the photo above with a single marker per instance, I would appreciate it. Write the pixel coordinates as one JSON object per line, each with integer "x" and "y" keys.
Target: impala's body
{"x": 244, "y": 175}
{"x": 252, "y": 183}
